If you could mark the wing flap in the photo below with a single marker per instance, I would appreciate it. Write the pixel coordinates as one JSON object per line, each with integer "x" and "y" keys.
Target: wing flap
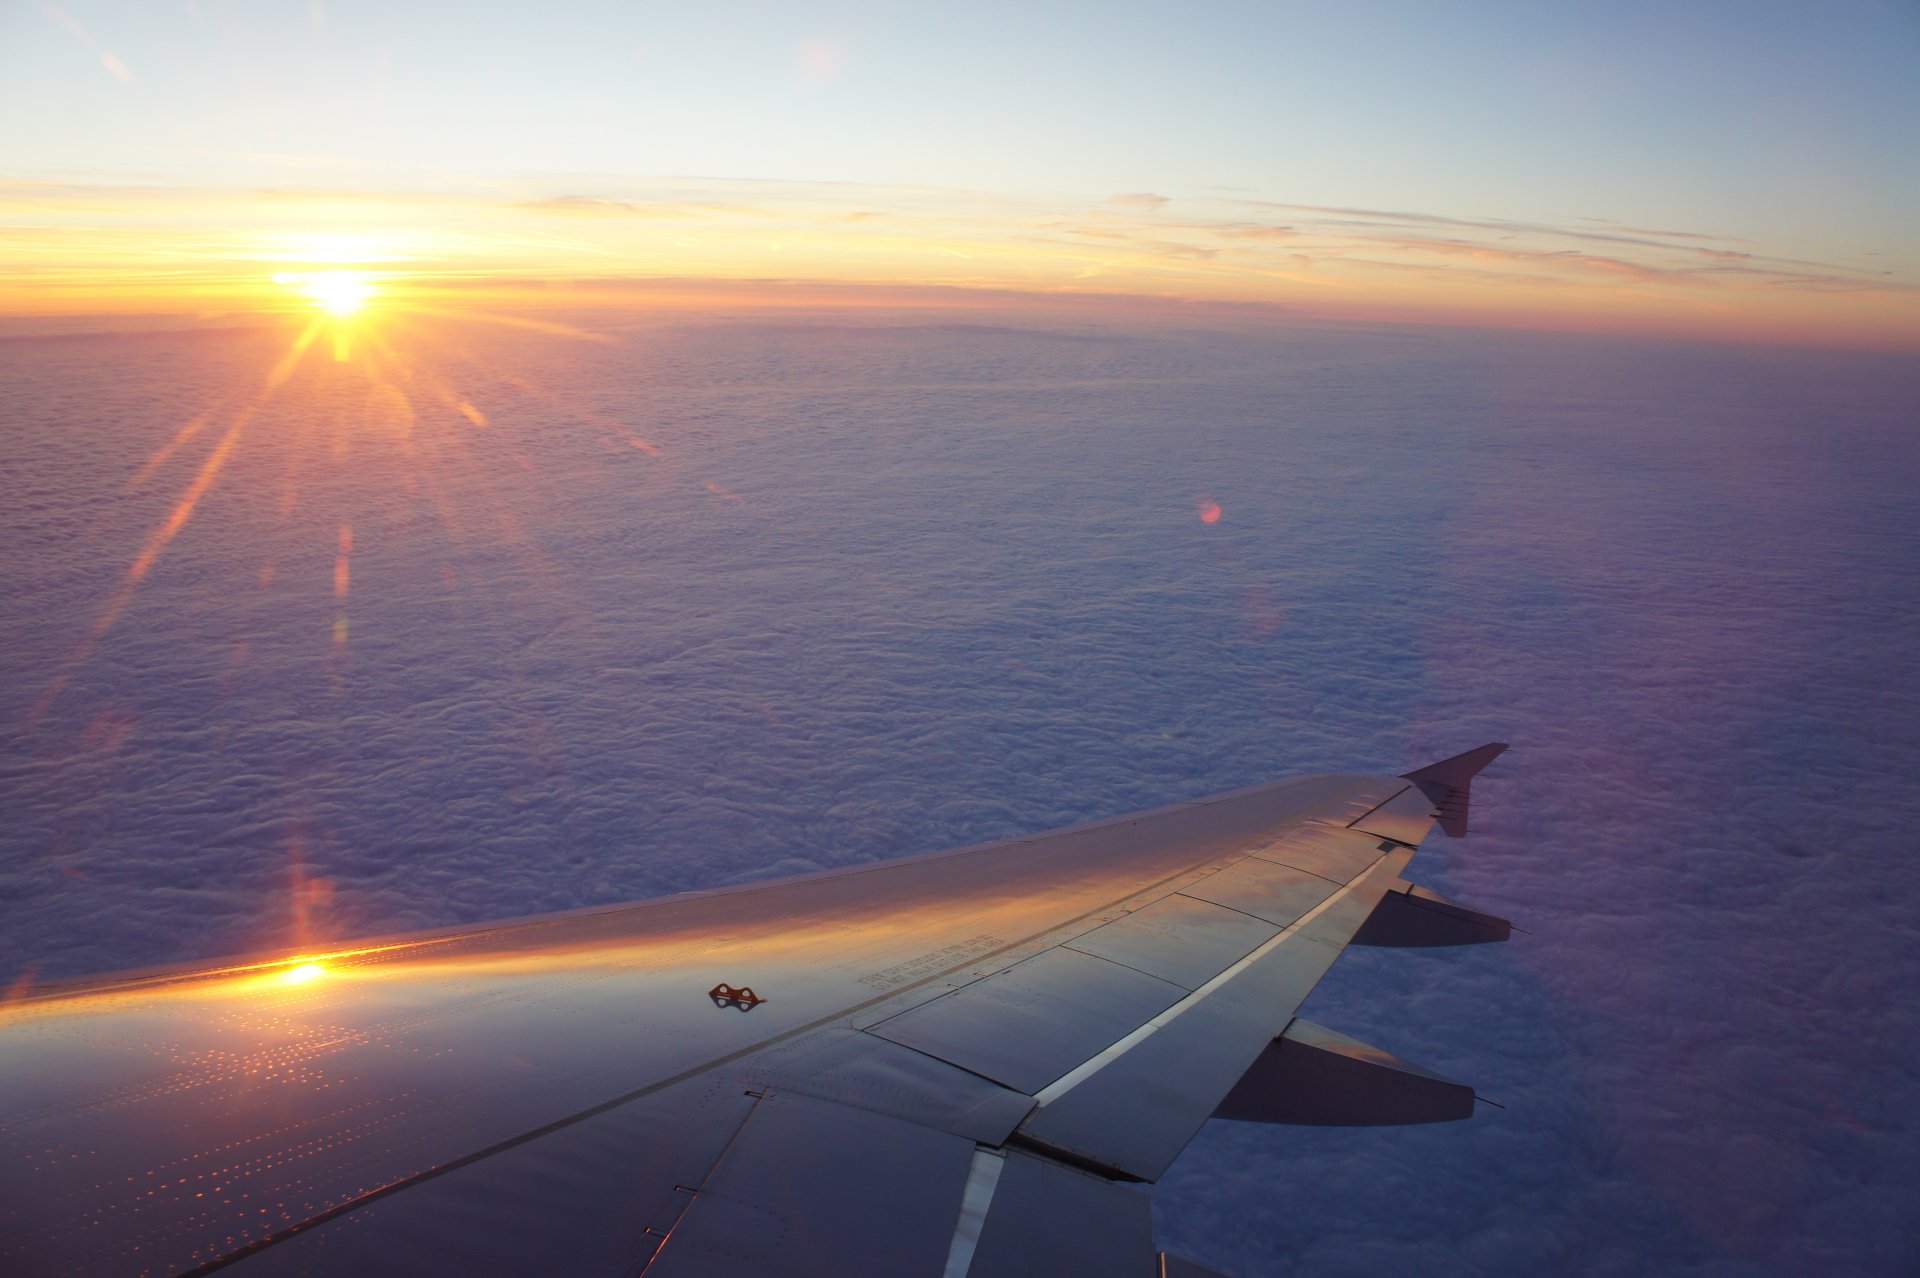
{"x": 1133, "y": 1107}
{"x": 863, "y": 1070}
{"x": 1031, "y": 1023}
{"x": 810, "y": 1189}
{"x": 1111, "y": 1229}
{"x": 1330, "y": 852}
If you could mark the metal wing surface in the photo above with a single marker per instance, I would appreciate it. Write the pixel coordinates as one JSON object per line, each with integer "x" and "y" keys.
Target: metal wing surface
{"x": 973, "y": 1062}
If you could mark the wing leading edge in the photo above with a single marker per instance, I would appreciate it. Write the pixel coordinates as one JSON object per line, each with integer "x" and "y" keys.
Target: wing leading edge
{"x": 971, "y": 1063}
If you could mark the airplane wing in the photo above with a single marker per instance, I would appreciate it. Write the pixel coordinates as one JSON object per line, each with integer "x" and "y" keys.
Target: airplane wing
{"x": 968, "y": 1064}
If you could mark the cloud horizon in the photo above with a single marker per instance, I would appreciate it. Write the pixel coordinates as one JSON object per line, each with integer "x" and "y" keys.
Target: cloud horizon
{"x": 78, "y": 248}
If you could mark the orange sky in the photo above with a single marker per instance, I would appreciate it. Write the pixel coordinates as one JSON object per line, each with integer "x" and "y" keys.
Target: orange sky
{"x": 76, "y": 249}
{"x": 1708, "y": 170}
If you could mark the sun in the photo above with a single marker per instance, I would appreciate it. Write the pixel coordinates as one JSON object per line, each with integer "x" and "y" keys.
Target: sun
{"x": 340, "y": 294}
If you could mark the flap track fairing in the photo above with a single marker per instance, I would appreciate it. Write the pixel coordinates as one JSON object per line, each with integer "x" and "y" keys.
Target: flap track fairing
{"x": 1413, "y": 916}
{"x": 1311, "y": 1075}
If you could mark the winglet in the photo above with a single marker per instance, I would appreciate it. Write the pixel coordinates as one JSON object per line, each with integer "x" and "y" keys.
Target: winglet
{"x": 1447, "y": 783}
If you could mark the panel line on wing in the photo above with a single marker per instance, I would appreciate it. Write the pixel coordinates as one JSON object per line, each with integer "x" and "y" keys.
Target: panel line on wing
{"x": 1288, "y": 865}
{"x": 1026, "y": 1024}
{"x": 1224, "y": 906}
{"x": 692, "y": 1192}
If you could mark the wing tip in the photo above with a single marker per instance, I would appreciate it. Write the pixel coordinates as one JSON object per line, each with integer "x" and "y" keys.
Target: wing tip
{"x": 1461, "y": 768}
{"x": 1450, "y": 781}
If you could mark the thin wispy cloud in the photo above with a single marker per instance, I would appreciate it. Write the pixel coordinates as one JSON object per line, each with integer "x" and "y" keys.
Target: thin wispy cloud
{"x": 599, "y": 206}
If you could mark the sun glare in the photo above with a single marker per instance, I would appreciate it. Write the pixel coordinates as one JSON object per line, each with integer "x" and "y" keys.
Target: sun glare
{"x": 338, "y": 293}
{"x": 302, "y": 974}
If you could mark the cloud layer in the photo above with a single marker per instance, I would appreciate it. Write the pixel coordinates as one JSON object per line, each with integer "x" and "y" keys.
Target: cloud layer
{"x": 500, "y": 621}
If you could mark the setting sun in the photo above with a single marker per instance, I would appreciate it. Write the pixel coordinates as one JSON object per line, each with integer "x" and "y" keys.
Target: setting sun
{"x": 338, "y": 293}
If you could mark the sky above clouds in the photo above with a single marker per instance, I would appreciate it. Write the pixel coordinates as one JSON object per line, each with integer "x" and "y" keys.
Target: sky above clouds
{"x": 1731, "y": 169}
